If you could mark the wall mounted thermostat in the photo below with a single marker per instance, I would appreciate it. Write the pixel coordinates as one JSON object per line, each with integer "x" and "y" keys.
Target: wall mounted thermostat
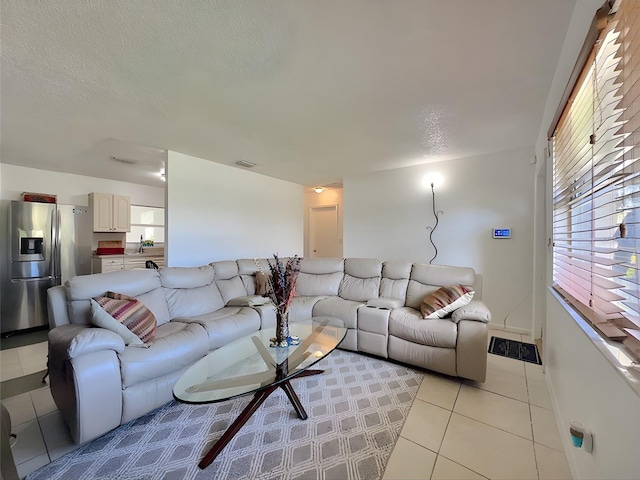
{"x": 501, "y": 233}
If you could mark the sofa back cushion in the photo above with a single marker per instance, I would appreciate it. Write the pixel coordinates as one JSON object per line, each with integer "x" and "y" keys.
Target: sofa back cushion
{"x": 361, "y": 281}
{"x": 143, "y": 285}
{"x": 395, "y": 279}
{"x": 190, "y": 291}
{"x": 320, "y": 276}
{"x": 426, "y": 279}
{"x": 225, "y": 269}
{"x": 227, "y": 278}
{"x": 247, "y": 268}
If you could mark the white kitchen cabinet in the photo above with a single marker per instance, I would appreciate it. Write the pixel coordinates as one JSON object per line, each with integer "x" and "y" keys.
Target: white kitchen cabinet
{"x": 104, "y": 265}
{"x": 141, "y": 262}
{"x": 111, "y": 213}
{"x": 123, "y": 262}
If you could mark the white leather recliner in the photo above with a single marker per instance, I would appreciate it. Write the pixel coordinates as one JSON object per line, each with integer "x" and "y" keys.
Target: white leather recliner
{"x": 98, "y": 383}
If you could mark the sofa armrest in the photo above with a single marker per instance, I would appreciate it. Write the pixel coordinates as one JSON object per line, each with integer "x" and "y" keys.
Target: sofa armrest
{"x": 71, "y": 341}
{"x": 471, "y": 350}
{"x": 85, "y": 379}
{"x": 57, "y": 306}
{"x": 474, "y": 310}
{"x": 267, "y": 314}
{"x": 248, "y": 301}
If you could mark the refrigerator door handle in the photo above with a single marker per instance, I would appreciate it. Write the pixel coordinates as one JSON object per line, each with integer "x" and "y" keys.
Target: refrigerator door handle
{"x": 55, "y": 250}
{"x": 54, "y": 232}
{"x": 58, "y": 247}
{"x": 28, "y": 280}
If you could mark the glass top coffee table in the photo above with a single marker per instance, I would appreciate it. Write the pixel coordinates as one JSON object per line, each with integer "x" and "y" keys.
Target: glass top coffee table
{"x": 249, "y": 365}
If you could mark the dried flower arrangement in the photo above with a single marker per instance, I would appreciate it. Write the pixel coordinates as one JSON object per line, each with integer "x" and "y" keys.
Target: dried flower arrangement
{"x": 281, "y": 289}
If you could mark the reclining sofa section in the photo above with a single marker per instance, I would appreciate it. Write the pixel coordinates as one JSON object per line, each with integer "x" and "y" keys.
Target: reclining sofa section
{"x": 98, "y": 383}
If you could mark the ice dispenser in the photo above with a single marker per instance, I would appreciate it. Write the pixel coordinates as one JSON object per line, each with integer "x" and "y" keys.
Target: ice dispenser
{"x": 31, "y": 246}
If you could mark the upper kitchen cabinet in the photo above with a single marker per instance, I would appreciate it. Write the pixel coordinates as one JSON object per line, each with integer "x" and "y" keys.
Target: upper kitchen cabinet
{"x": 111, "y": 213}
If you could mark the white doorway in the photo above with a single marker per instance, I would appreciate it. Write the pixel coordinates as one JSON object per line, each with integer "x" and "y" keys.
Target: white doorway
{"x": 324, "y": 239}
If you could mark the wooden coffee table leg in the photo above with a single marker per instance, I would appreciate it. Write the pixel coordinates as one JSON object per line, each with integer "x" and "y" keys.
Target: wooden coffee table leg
{"x": 309, "y": 373}
{"x": 293, "y": 398}
{"x": 249, "y": 410}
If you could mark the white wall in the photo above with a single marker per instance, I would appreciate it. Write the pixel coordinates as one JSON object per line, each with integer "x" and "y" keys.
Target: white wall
{"x": 386, "y": 215}
{"x": 217, "y": 212}
{"x": 586, "y": 387}
{"x": 71, "y": 189}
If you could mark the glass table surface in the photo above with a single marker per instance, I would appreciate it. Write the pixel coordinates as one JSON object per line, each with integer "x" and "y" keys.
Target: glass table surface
{"x": 249, "y": 364}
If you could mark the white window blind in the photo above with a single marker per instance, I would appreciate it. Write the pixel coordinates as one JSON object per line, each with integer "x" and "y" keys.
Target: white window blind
{"x": 596, "y": 182}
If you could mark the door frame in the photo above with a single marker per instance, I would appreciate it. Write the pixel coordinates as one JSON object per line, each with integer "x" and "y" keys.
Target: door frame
{"x": 319, "y": 207}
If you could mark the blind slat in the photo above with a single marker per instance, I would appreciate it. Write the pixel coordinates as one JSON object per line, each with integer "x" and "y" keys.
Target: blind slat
{"x": 596, "y": 177}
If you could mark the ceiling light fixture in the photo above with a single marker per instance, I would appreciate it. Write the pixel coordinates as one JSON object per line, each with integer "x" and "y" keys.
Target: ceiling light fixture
{"x": 318, "y": 189}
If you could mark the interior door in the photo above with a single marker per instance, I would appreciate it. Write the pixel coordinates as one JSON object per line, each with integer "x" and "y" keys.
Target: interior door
{"x": 324, "y": 239}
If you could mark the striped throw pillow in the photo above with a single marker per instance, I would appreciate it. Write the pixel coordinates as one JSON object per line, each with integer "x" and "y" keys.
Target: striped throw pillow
{"x": 131, "y": 313}
{"x": 445, "y": 300}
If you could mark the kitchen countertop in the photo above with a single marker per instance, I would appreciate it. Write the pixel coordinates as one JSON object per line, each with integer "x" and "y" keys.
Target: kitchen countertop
{"x": 124, "y": 255}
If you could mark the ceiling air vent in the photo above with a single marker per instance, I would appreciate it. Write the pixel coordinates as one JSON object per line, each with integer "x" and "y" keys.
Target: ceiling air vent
{"x": 244, "y": 163}
{"x": 128, "y": 161}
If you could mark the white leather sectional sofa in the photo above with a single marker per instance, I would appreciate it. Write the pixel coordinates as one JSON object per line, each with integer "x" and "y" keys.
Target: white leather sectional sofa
{"x": 98, "y": 383}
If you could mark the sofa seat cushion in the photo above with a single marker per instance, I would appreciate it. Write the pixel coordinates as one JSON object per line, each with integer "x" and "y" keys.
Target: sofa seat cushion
{"x": 176, "y": 346}
{"x": 301, "y": 308}
{"x": 409, "y": 324}
{"x": 345, "y": 310}
{"x": 226, "y": 325}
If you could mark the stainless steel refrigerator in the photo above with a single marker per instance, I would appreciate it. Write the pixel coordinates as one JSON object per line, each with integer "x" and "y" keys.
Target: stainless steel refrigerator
{"x": 45, "y": 245}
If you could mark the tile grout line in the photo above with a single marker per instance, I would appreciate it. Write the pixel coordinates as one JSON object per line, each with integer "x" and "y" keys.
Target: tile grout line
{"x": 533, "y": 435}
{"x": 463, "y": 466}
{"x": 445, "y": 429}
{"x": 46, "y": 447}
{"x": 493, "y": 426}
{"x": 37, "y": 417}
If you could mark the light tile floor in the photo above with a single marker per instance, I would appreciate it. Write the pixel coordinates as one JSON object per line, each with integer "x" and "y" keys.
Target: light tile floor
{"x": 501, "y": 429}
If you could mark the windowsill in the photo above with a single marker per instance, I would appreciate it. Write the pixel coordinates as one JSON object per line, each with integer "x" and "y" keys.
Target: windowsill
{"x": 615, "y": 353}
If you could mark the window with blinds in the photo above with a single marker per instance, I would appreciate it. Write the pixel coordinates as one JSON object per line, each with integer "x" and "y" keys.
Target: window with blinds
{"x": 596, "y": 182}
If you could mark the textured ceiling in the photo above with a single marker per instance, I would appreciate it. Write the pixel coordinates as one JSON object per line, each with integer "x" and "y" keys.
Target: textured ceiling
{"x": 310, "y": 91}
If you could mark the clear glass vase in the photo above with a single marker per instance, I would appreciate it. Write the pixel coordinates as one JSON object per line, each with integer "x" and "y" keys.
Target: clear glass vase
{"x": 282, "y": 328}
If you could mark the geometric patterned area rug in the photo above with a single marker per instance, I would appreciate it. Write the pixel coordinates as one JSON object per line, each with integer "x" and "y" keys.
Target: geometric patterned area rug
{"x": 504, "y": 347}
{"x": 356, "y": 410}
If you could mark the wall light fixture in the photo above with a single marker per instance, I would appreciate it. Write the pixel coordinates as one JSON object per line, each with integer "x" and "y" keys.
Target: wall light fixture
{"x": 434, "y": 180}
